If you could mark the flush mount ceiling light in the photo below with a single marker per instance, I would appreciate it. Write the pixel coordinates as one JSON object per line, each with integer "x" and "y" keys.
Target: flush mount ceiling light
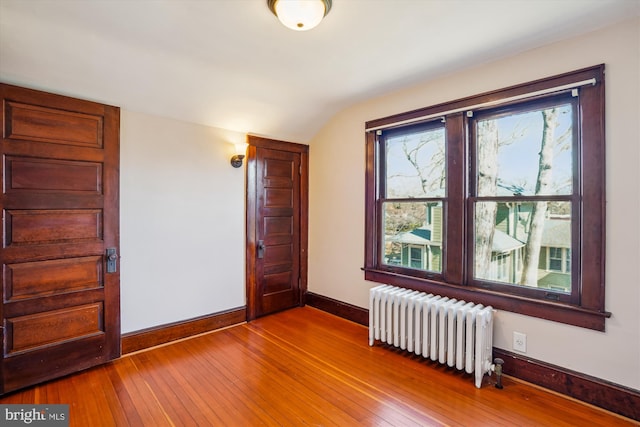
{"x": 300, "y": 15}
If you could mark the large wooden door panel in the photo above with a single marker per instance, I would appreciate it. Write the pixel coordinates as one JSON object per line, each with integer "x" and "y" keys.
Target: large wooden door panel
{"x": 278, "y": 204}
{"x": 276, "y": 226}
{"x": 60, "y": 308}
{"x": 45, "y": 278}
{"x": 33, "y": 174}
{"x": 30, "y": 122}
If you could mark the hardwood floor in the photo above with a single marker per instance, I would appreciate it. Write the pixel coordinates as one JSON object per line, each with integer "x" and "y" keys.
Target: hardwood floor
{"x": 298, "y": 367}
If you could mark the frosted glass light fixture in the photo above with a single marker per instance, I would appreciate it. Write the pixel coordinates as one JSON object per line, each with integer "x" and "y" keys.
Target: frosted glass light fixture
{"x": 300, "y": 15}
{"x": 240, "y": 150}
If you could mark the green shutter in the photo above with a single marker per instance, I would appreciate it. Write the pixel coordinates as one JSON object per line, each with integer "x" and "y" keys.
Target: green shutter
{"x": 405, "y": 255}
{"x": 542, "y": 263}
{"x": 436, "y": 257}
{"x": 436, "y": 225}
{"x": 502, "y": 218}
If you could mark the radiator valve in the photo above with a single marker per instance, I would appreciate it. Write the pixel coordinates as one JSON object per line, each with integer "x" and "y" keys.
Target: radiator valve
{"x": 497, "y": 367}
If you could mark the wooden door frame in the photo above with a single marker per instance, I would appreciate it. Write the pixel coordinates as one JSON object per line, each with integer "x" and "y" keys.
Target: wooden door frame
{"x": 251, "y": 204}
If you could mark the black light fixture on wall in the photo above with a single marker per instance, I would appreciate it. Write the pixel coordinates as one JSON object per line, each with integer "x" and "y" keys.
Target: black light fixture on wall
{"x": 300, "y": 15}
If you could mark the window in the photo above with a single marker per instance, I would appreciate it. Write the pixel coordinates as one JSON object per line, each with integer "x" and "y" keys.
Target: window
{"x": 523, "y": 197}
{"x": 500, "y": 270}
{"x": 559, "y": 260}
{"x": 415, "y": 257}
{"x": 555, "y": 259}
{"x": 413, "y": 189}
{"x": 488, "y": 198}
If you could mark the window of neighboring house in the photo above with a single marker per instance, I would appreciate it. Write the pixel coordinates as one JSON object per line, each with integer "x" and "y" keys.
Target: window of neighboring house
{"x": 500, "y": 267}
{"x": 486, "y": 199}
{"x": 555, "y": 259}
{"x": 415, "y": 257}
{"x": 558, "y": 260}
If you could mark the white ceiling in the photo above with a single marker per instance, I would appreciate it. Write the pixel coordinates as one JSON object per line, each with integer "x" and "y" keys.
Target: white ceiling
{"x": 231, "y": 64}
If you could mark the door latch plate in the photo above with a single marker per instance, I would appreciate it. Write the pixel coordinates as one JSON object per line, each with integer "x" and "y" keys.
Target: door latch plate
{"x": 112, "y": 260}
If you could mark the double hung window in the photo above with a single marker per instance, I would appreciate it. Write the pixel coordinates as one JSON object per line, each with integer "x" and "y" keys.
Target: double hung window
{"x": 496, "y": 199}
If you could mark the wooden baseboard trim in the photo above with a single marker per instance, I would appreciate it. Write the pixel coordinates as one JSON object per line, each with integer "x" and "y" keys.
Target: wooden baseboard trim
{"x": 612, "y": 397}
{"x": 341, "y": 309}
{"x": 151, "y": 337}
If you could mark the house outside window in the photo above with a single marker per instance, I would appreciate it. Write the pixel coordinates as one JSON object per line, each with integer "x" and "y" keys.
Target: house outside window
{"x": 490, "y": 196}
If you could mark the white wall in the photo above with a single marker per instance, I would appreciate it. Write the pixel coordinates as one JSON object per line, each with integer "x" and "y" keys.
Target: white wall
{"x": 336, "y": 241}
{"x": 182, "y": 221}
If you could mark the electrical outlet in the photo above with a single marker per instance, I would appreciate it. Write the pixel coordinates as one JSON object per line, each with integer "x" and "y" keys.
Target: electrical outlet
{"x": 520, "y": 342}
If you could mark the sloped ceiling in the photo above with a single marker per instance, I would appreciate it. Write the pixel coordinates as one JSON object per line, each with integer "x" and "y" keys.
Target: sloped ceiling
{"x": 231, "y": 64}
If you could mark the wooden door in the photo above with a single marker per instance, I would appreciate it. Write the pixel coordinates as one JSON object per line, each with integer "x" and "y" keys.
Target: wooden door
{"x": 276, "y": 225}
{"x": 60, "y": 306}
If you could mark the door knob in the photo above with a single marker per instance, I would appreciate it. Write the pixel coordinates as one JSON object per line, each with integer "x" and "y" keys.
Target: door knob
{"x": 260, "y": 248}
{"x": 112, "y": 259}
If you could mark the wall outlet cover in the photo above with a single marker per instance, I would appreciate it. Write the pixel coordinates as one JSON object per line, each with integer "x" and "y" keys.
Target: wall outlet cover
{"x": 520, "y": 342}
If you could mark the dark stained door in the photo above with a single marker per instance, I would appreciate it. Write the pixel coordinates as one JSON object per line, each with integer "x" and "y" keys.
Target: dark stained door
{"x": 60, "y": 307}
{"x": 276, "y": 216}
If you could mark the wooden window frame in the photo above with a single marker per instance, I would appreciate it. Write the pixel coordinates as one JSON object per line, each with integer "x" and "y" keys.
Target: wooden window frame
{"x": 588, "y": 310}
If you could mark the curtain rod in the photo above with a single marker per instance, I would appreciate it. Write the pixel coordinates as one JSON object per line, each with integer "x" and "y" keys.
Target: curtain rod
{"x": 488, "y": 104}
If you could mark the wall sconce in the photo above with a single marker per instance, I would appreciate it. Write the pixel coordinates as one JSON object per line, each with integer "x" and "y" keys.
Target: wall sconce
{"x": 236, "y": 160}
{"x": 299, "y": 15}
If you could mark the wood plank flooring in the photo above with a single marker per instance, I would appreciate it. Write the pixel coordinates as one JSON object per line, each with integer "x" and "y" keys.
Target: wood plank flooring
{"x": 296, "y": 368}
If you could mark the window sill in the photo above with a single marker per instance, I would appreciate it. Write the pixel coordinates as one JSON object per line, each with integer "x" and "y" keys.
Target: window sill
{"x": 554, "y": 311}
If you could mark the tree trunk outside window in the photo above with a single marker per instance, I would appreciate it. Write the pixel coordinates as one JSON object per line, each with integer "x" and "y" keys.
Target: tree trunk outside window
{"x": 539, "y": 213}
{"x": 485, "y": 212}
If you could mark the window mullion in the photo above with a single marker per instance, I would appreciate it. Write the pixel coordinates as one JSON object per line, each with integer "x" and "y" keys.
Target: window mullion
{"x": 455, "y": 199}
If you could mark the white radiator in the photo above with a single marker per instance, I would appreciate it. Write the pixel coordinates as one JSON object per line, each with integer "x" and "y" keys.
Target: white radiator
{"x": 446, "y": 330}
